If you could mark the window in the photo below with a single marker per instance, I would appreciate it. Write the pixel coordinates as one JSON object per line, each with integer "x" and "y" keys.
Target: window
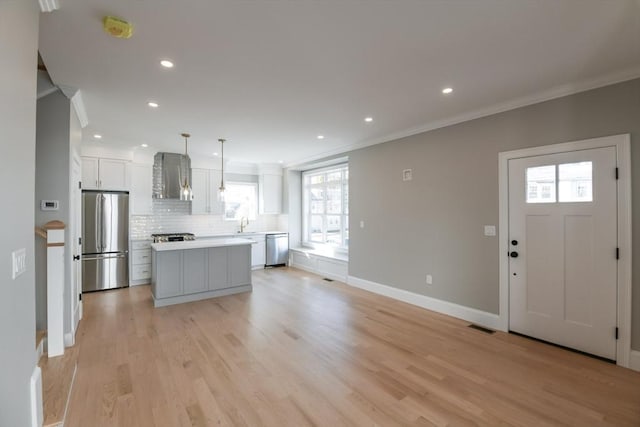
{"x": 241, "y": 200}
{"x": 574, "y": 183}
{"x": 326, "y": 206}
{"x": 541, "y": 184}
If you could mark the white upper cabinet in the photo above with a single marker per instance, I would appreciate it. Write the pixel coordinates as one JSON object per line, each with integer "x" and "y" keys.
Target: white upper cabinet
{"x": 200, "y": 187}
{"x": 140, "y": 193}
{"x": 216, "y": 207}
{"x": 205, "y": 183}
{"x": 112, "y": 174}
{"x": 90, "y": 172}
{"x": 270, "y": 194}
{"x": 104, "y": 174}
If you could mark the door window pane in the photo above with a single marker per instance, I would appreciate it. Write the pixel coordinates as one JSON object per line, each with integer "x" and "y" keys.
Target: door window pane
{"x": 541, "y": 184}
{"x": 575, "y": 182}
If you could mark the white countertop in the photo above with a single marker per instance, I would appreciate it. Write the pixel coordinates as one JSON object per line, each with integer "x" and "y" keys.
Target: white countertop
{"x": 246, "y": 233}
{"x": 199, "y": 244}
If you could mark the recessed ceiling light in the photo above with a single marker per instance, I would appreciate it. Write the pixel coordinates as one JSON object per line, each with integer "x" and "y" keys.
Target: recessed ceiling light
{"x": 152, "y": 104}
{"x": 280, "y": 161}
{"x": 144, "y": 145}
{"x": 447, "y": 90}
{"x": 97, "y": 136}
{"x": 368, "y": 119}
{"x": 166, "y": 63}
{"x": 320, "y": 136}
{"x": 215, "y": 154}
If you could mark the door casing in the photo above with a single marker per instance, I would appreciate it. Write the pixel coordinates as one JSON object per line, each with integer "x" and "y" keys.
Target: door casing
{"x": 622, "y": 143}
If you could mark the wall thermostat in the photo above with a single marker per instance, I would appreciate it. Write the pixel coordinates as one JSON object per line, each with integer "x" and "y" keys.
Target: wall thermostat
{"x": 49, "y": 205}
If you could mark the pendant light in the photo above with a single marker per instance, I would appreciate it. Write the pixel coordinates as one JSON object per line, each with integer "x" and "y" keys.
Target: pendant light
{"x": 185, "y": 189}
{"x": 221, "y": 189}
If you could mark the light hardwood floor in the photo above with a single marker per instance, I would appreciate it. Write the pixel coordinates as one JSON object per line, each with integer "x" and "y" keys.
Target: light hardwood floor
{"x": 57, "y": 380}
{"x": 299, "y": 351}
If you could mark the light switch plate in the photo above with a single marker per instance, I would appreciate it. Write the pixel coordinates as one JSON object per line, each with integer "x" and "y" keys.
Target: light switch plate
{"x": 361, "y": 224}
{"x": 407, "y": 175}
{"x": 489, "y": 230}
{"x": 19, "y": 262}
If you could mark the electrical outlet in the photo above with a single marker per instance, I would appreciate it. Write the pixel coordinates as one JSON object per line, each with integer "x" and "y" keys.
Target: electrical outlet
{"x": 19, "y": 262}
{"x": 429, "y": 279}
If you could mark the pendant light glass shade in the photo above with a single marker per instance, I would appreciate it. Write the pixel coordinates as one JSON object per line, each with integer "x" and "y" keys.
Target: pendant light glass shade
{"x": 185, "y": 188}
{"x": 221, "y": 189}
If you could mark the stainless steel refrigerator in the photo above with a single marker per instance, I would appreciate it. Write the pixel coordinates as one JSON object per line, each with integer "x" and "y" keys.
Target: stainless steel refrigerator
{"x": 105, "y": 240}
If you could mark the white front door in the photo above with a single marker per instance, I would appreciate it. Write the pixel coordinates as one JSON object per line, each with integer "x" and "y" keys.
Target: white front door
{"x": 562, "y": 248}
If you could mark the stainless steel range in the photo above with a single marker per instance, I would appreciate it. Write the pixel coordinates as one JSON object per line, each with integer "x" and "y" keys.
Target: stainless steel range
{"x": 172, "y": 237}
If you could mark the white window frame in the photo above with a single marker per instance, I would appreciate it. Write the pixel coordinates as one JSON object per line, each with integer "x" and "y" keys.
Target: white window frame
{"x": 306, "y": 206}
{"x": 254, "y": 215}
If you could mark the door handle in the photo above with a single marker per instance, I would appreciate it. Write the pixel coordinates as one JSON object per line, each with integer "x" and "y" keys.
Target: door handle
{"x": 76, "y": 257}
{"x": 98, "y": 225}
{"x": 513, "y": 254}
{"x": 103, "y": 199}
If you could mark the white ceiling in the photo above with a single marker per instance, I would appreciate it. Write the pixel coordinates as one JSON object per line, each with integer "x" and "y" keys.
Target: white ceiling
{"x": 271, "y": 75}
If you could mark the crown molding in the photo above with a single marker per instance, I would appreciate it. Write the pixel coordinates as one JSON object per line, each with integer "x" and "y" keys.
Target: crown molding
{"x": 48, "y": 5}
{"x": 536, "y": 98}
{"x": 78, "y": 106}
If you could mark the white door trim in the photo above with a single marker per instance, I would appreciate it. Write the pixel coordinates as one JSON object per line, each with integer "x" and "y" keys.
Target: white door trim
{"x": 623, "y": 149}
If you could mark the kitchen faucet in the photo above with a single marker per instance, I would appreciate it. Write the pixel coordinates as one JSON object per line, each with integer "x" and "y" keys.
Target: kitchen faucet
{"x": 243, "y": 224}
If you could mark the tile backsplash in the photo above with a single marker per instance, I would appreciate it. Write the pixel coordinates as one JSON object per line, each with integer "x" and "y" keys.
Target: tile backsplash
{"x": 173, "y": 216}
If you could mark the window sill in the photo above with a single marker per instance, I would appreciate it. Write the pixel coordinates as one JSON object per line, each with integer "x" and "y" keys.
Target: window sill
{"x": 325, "y": 253}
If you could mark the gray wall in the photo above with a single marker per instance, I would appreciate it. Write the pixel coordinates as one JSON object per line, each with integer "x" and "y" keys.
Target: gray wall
{"x": 52, "y": 183}
{"x": 18, "y": 50}
{"x": 434, "y": 224}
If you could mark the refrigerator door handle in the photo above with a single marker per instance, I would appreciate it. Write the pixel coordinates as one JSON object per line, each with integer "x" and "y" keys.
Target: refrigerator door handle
{"x": 98, "y": 224}
{"x": 99, "y": 257}
{"x": 102, "y": 227}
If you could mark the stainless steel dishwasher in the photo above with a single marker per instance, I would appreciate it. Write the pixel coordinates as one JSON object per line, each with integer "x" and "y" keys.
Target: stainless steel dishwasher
{"x": 277, "y": 249}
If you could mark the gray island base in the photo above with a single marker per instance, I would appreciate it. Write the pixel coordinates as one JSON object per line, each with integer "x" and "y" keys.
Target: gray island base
{"x": 190, "y": 271}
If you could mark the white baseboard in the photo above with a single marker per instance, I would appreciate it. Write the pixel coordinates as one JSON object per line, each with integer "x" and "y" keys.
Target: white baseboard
{"x": 69, "y": 339}
{"x": 479, "y": 317}
{"x": 40, "y": 349}
{"x": 37, "y": 417}
{"x": 139, "y": 282}
{"x": 634, "y": 360}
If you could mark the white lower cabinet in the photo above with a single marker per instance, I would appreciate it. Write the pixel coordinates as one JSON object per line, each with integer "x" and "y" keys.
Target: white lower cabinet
{"x": 258, "y": 251}
{"x": 332, "y": 268}
{"x": 140, "y": 262}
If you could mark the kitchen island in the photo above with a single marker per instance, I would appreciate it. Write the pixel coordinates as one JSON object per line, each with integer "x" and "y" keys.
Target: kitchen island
{"x": 200, "y": 269}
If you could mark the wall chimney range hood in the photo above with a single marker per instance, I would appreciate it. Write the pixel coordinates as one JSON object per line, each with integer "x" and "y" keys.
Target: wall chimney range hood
{"x": 170, "y": 170}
